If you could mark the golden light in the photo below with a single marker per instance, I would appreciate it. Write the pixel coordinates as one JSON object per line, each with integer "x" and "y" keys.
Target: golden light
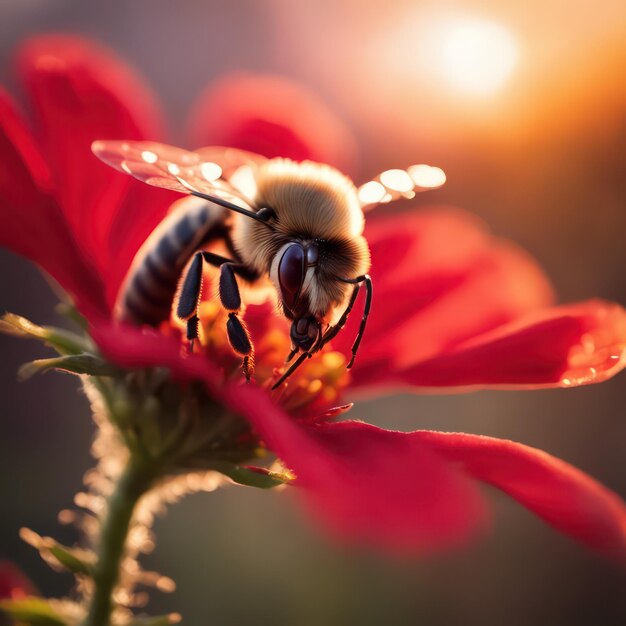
{"x": 427, "y": 176}
{"x": 477, "y": 55}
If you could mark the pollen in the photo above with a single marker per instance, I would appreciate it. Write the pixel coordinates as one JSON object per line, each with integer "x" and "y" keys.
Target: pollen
{"x": 315, "y": 386}
{"x": 333, "y": 360}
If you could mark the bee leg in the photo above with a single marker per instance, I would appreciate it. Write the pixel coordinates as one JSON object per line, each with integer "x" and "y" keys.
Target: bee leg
{"x": 192, "y": 330}
{"x": 238, "y": 334}
{"x": 240, "y": 341}
{"x": 188, "y": 298}
{"x": 332, "y": 332}
{"x": 365, "y": 278}
{"x": 294, "y": 366}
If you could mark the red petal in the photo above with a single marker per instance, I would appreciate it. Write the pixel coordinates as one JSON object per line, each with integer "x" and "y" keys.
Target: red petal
{"x": 13, "y": 583}
{"x": 369, "y": 486}
{"x": 566, "y": 498}
{"x": 31, "y": 223}
{"x": 273, "y": 117}
{"x": 142, "y": 210}
{"x": 439, "y": 279}
{"x": 24, "y": 173}
{"x": 560, "y": 347}
{"x": 133, "y": 348}
{"x": 389, "y": 489}
{"x": 81, "y": 92}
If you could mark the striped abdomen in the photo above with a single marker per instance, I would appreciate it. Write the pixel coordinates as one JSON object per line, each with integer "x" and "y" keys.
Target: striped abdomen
{"x": 150, "y": 286}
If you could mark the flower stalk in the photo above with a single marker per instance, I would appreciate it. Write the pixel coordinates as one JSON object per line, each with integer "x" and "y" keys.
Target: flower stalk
{"x": 133, "y": 483}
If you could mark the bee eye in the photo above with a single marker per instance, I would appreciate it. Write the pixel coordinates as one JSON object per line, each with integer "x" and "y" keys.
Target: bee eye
{"x": 291, "y": 270}
{"x": 312, "y": 254}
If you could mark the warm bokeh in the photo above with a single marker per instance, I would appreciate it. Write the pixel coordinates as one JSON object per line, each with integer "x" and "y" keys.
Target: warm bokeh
{"x": 523, "y": 104}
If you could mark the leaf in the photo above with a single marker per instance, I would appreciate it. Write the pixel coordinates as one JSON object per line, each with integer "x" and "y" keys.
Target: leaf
{"x": 74, "y": 364}
{"x": 34, "y": 611}
{"x": 63, "y": 341}
{"x": 252, "y": 477}
{"x": 73, "y": 559}
{"x": 69, "y": 559}
{"x": 69, "y": 311}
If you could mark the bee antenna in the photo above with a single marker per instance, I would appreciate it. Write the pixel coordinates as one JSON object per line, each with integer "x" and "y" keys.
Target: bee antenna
{"x": 263, "y": 215}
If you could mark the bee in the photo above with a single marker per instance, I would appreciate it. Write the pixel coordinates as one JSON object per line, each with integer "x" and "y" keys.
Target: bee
{"x": 298, "y": 224}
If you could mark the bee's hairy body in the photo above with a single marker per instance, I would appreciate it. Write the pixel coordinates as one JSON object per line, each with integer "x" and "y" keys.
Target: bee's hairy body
{"x": 298, "y": 226}
{"x": 151, "y": 283}
{"x": 314, "y": 205}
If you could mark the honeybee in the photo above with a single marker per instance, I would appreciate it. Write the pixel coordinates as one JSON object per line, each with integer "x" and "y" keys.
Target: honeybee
{"x": 300, "y": 224}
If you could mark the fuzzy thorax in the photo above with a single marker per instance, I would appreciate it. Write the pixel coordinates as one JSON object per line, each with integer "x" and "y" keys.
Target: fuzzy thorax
{"x": 312, "y": 202}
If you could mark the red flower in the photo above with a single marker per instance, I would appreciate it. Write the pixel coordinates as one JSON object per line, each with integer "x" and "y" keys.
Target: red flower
{"x": 459, "y": 309}
{"x": 13, "y": 583}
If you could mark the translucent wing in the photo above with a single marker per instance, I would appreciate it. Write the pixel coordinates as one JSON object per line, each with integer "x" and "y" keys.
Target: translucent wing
{"x": 230, "y": 159}
{"x": 238, "y": 166}
{"x": 181, "y": 170}
{"x": 395, "y": 184}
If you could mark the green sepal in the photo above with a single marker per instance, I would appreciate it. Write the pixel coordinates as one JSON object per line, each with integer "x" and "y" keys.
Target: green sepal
{"x": 70, "y": 312}
{"x": 72, "y": 559}
{"x": 63, "y": 341}
{"x": 261, "y": 478}
{"x": 69, "y": 559}
{"x": 33, "y": 611}
{"x": 73, "y": 363}
{"x": 161, "y": 620}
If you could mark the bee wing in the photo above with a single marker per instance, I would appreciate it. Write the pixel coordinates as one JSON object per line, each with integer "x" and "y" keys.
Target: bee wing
{"x": 392, "y": 185}
{"x": 230, "y": 159}
{"x": 238, "y": 167}
{"x": 169, "y": 167}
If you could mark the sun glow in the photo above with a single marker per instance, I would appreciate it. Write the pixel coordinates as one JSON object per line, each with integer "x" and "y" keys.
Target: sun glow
{"x": 440, "y": 52}
{"x": 477, "y": 55}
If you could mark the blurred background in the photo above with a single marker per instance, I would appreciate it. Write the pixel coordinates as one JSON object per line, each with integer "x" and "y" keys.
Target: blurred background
{"x": 523, "y": 104}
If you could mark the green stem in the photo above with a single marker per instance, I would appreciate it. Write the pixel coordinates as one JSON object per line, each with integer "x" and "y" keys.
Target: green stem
{"x": 132, "y": 484}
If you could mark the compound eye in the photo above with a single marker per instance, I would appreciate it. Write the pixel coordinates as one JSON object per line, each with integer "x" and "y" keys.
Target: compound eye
{"x": 312, "y": 254}
{"x": 291, "y": 271}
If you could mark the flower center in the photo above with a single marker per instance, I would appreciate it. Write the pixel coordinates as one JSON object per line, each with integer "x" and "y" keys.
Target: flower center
{"x": 314, "y": 387}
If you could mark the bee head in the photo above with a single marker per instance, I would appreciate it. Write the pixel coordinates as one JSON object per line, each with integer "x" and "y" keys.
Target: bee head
{"x": 296, "y": 263}
{"x": 304, "y": 332}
